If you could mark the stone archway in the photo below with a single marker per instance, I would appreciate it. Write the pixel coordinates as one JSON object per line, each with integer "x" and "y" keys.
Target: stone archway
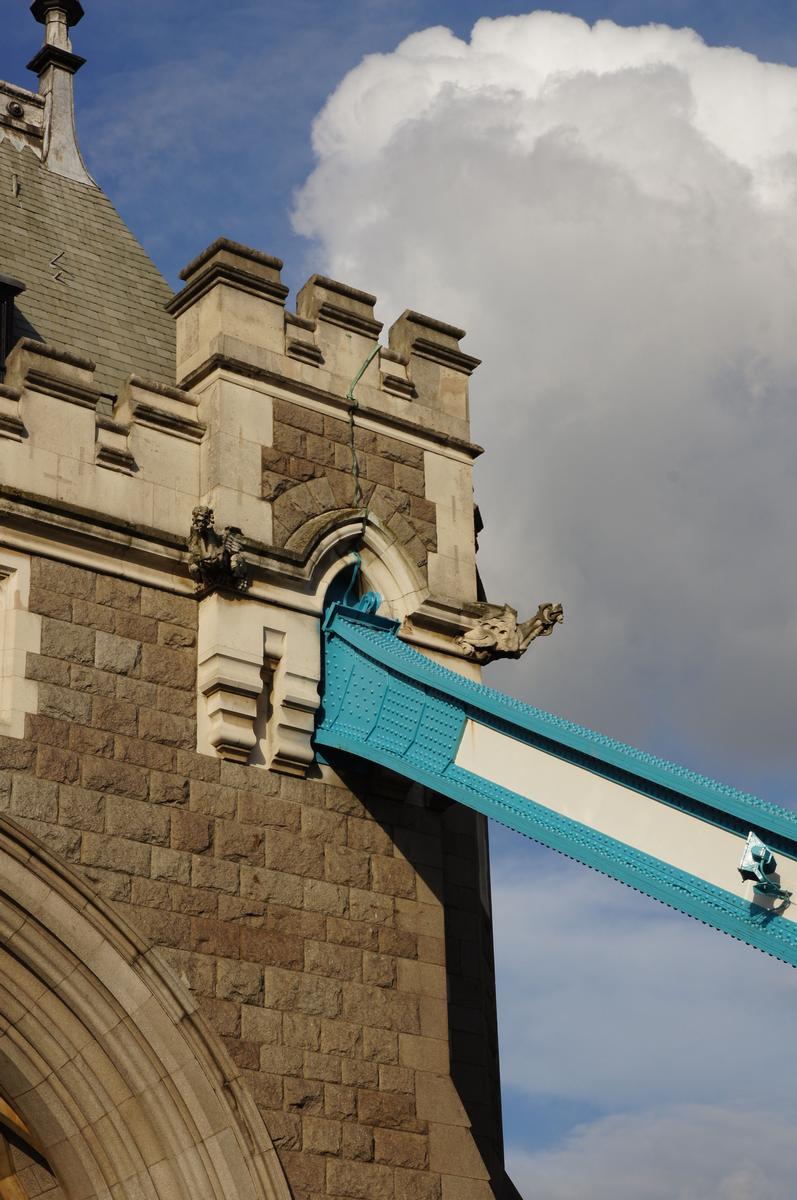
{"x": 105, "y": 1056}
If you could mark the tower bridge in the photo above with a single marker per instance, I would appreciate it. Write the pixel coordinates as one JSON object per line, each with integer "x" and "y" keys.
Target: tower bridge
{"x": 245, "y": 923}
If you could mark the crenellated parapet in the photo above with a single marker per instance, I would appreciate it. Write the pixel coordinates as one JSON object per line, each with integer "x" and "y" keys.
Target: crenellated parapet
{"x": 300, "y": 430}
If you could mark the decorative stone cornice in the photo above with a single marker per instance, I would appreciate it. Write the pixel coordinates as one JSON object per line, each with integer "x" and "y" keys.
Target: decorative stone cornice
{"x": 157, "y": 406}
{"x": 112, "y": 449}
{"x": 55, "y": 56}
{"x": 11, "y": 424}
{"x": 53, "y": 372}
{"x": 422, "y": 336}
{"x": 225, "y": 362}
{"x": 341, "y": 305}
{"x": 227, "y": 262}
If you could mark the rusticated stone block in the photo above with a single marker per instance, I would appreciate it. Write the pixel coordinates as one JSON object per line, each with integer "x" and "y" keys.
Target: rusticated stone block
{"x": 214, "y": 873}
{"x": 306, "y": 1173}
{"x": 290, "y": 990}
{"x": 301, "y": 1030}
{"x": 57, "y": 764}
{"x": 323, "y": 897}
{"x": 380, "y": 1007}
{"x": 115, "y": 853}
{"x": 166, "y": 727}
{"x": 47, "y": 670}
{"x": 393, "y": 876}
{"x": 260, "y": 884}
{"x": 34, "y": 798}
{"x": 275, "y": 949}
{"x": 175, "y": 636}
{"x": 102, "y": 775}
{"x": 118, "y": 654}
{"x": 117, "y": 716}
{"x": 239, "y": 981}
{"x": 389, "y": 1110}
{"x": 340, "y": 1101}
{"x": 260, "y": 1025}
{"x": 50, "y": 604}
{"x": 320, "y": 1135}
{"x": 357, "y": 1142}
{"x": 359, "y": 1180}
{"x": 379, "y": 969}
{"x": 97, "y": 616}
{"x": 211, "y": 936}
{"x": 400, "y": 1149}
{"x": 81, "y": 809}
{"x": 63, "y": 704}
{"x": 90, "y": 741}
{"x": 87, "y": 679}
{"x": 286, "y": 852}
{"x": 304, "y": 1095}
{"x": 337, "y": 962}
{"x": 137, "y": 820}
{"x": 327, "y": 827}
{"x": 66, "y": 580}
{"x": 417, "y": 1185}
{"x": 342, "y": 932}
{"x": 396, "y": 1079}
{"x": 342, "y": 865}
{"x": 336, "y": 1037}
{"x": 358, "y": 1074}
{"x": 239, "y": 843}
{"x": 213, "y": 799}
{"x": 160, "y": 664}
{"x": 147, "y": 754}
{"x": 285, "y": 1129}
{"x": 172, "y": 865}
{"x": 132, "y": 625}
{"x": 380, "y": 1045}
{"x": 118, "y": 593}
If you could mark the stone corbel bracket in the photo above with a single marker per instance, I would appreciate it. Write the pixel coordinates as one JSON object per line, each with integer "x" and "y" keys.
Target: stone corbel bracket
{"x": 259, "y": 667}
{"x": 294, "y": 702}
{"x": 112, "y": 446}
{"x": 11, "y": 424}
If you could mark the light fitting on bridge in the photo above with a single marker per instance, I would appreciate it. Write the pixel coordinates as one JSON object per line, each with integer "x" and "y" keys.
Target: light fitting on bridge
{"x": 759, "y": 864}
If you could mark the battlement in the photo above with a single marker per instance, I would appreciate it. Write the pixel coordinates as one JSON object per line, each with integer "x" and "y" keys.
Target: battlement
{"x": 261, "y": 424}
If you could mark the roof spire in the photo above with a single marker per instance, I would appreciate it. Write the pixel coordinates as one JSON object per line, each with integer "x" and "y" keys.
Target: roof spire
{"x": 55, "y": 64}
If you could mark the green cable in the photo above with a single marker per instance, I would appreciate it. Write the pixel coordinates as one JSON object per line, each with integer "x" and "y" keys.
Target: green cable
{"x": 355, "y": 462}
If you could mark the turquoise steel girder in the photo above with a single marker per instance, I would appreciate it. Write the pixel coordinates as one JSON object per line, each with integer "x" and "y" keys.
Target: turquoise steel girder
{"x": 386, "y": 703}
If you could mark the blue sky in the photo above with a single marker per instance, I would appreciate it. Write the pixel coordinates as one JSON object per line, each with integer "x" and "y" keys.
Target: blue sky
{"x": 620, "y": 249}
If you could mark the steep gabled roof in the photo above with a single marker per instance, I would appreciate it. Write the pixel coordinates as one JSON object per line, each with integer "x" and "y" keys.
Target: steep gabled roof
{"x": 90, "y": 286}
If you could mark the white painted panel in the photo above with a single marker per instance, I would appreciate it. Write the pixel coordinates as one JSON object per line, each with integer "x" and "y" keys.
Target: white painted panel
{"x": 663, "y": 832}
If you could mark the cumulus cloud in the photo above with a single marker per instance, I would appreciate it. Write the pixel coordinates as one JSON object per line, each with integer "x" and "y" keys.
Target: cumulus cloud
{"x": 608, "y": 211}
{"x": 677, "y": 1039}
{"x": 689, "y": 1153}
{"x": 610, "y": 999}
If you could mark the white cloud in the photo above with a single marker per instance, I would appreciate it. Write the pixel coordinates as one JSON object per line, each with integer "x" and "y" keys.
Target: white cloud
{"x": 609, "y": 212}
{"x": 610, "y": 999}
{"x": 688, "y": 1153}
{"x": 682, "y": 1036}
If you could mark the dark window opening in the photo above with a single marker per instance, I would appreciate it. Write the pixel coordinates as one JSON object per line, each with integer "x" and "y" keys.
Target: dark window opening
{"x": 9, "y": 290}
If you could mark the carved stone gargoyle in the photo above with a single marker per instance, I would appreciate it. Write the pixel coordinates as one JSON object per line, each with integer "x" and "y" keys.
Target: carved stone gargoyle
{"x": 499, "y": 635}
{"x": 217, "y": 558}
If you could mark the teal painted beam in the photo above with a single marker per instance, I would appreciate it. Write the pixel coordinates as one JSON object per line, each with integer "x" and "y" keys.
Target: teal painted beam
{"x": 618, "y": 810}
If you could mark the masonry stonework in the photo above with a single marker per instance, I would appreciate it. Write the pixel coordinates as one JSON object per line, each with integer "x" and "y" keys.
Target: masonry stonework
{"x": 286, "y": 982}
{"x": 333, "y": 932}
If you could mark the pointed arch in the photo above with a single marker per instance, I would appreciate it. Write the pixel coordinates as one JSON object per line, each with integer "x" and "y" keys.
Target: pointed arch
{"x": 337, "y": 538}
{"x": 105, "y": 1055}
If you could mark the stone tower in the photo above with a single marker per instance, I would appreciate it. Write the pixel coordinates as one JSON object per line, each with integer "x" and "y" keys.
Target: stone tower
{"x": 227, "y": 968}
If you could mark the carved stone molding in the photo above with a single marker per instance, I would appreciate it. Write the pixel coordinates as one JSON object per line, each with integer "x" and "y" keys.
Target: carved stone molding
{"x": 294, "y": 701}
{"x": 258, "y": 675}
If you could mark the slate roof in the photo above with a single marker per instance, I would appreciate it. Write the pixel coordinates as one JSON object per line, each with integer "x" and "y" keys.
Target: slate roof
{"x": 103, "y": 297}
